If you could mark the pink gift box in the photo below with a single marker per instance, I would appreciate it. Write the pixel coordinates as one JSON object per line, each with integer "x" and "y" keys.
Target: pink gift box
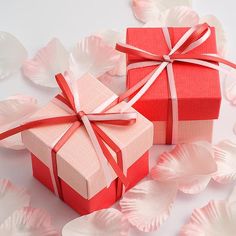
{"x": 77, "y": 161}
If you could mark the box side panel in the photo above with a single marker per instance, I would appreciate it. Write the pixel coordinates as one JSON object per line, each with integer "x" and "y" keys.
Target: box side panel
{"x": 189, "y": 131}
{"x": 103, "y": 199}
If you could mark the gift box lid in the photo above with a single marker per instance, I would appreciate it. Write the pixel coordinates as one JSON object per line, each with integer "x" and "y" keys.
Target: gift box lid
{"x": 198, "y": 87}
{"x": 77, "y": 161}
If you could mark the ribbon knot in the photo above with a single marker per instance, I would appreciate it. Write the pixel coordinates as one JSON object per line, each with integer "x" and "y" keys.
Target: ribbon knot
{"x": 168, "y": 59}
{"x": 80, "y": 114}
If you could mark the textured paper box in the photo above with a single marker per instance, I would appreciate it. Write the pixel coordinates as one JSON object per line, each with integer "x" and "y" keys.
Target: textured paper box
{"x": 105, "y": 198}
{"x": 189, "y": 131}
{"x": 77, "y": 161}
{"x": 198, "y": 88}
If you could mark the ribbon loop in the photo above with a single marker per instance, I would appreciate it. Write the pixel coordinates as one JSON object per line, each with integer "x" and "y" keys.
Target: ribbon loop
{"x": 66, "y": 91}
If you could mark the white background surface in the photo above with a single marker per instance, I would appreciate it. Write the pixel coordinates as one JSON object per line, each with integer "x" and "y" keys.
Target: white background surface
{"x": 34, "y": 23}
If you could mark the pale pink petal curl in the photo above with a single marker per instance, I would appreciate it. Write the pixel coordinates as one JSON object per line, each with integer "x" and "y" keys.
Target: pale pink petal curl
{"x": 92, "y": 55}
{"x": 191, "y": 166}
{"x": 50, "y": 60}
{"x": 216, "y": 218}
{"x": 180, "y": 16}
{"x": 11, "y": 199}
{"x": 148, "y": 204}
{"x": 225, "y": 157}
{"x": 101, "y": 223}
{"x": 151, "y": 10}
{"x": 13, "y": 54}
{"x": 111, "y": 38}
{"x": 28, "y": 221}
{"x": 13, "y": 111}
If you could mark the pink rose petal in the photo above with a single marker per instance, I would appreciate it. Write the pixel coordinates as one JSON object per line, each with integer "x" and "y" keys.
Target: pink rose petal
{"x": 105, "y": 222}
{"x": 92, "y": 55}
{"x": 179, "y": 17}
{"x": 148, "y": 204}
{"x": 145, "y": 10}
{"x": 164, "y": 5}
{"x": 13, "y": 111}
{"x": 232, "y": 201}
{"x": 190, "y": 165}
{"x": 225, "y": 157}
{"x": 11, "y": 199}
{"x": 232, "y": 196}
{"x": 151, "y": 10}
{"x": 216, "y": 218}
{"x": 50, "y": 60}
{"x": 112, "y": 37}
{"x": 116, "y": 84}
{"x": 13, "y": 54}
{"x": 28, "y": 221}
{"x": 120, "y": 68}
{"x": 230, "y": 89}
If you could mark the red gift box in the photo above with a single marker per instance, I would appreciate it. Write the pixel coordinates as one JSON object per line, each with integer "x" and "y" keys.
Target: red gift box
{"x": 197, "y": 87}
{"x": 103, "y": 199}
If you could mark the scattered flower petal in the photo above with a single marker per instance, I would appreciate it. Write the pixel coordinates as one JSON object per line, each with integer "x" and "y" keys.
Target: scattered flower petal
{"x": 50, "y": 60}
{"x": 116, "y": 84}
{"x": 149, "y": 10}
{"x": 230, "y": 89}
{"x": 112, "y": 37}
{"x": 232, "y": 201}
{"x": 225, "y": 157}
{"x": 154, "y": 23}
{"x": 220, "y": 34}
{"x": 164, "y": 5}
{"x": 11, "y": 199}
{"x": 190, "y": 165}
{"x": 92, "y": 55}
{"x": 216, "y": 218}
{"x": 148, "y": 204}
{"x": 13, "y": 111}
{"x": 232, "y": 197}
{"x": 145, "y": 10}
{"x": 179, "y": 17}
{"x": 13, "y": 54}
{"x": 28, "y": 222}
{"x": 120, "y": 68}
{"x": 101, "y": 223}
